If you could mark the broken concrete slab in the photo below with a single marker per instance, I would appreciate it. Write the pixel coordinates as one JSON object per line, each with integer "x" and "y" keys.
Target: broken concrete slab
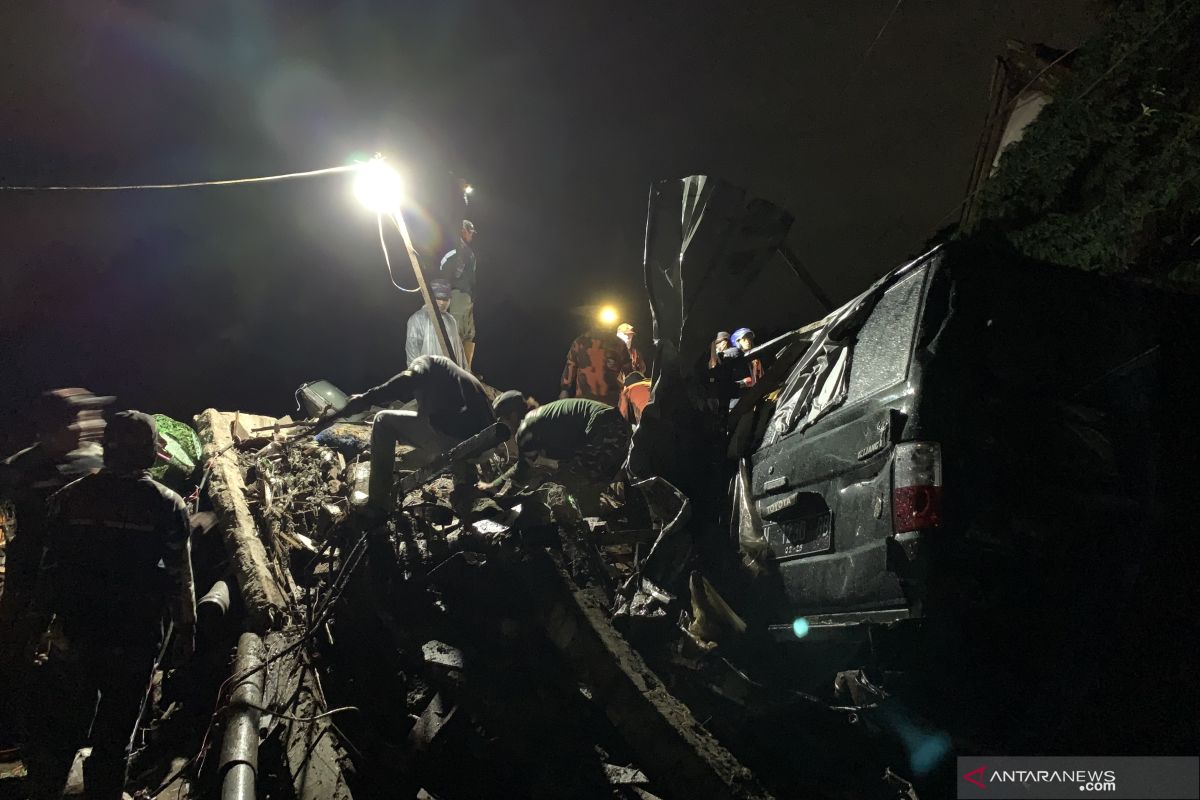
{"x": 676, "y": 749}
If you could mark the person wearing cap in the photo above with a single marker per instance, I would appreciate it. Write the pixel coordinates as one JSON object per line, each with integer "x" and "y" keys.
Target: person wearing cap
{"x": 458, "y": 269}
{"x": 721, "y": 361}
{"x": 719, "y": 345}
{"x": 422, "y": 339}
{"x": 451, "y": 407}
{"x": 578, "y": 443}
{"x": 626, "y": 334}
{"x": 634, "y": 397}
{"x": 115, "y": 565}
{"x": 746, "y": 371}
{"x": 596, "y": 364}
{"x": 511, "y": 407}
{"x": 67, "y": 423}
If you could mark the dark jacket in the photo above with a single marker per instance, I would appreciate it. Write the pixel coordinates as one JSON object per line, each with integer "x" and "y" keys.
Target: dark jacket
{"x": 458, "y": 267}
{"x": 107, "y": 535}
{"x": 452, "y": 398}
{"x": 567, "y": 431}
{"x": 27, "y": 479}
{"x": 746, "y": 371}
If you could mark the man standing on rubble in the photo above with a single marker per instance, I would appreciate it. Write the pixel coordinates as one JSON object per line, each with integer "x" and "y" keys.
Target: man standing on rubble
{"x": 422, "y": 339}
{"x": 596, "y": 365}
{"x": 451, "y": 407}
{"x": 115, "y": 561}
{"x": 458, "y": 269}
{"x": 579, "y": 443}
{"x": 68, "y": 423}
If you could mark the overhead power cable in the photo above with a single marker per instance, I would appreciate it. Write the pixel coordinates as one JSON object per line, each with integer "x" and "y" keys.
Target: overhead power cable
{"x": 231, "y": 182}
{"x": 190, "y": 185}
{"x": 387, "y": 259}
{"x": 875, "y": 41}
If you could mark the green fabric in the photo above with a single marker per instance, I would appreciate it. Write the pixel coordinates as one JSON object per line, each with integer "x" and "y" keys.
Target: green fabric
{"x": 181, "y": 444}
{"x": 560, "y": 427}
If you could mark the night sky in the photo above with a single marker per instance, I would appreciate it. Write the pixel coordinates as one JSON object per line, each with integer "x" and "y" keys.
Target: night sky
{"x": 559, "y": 113}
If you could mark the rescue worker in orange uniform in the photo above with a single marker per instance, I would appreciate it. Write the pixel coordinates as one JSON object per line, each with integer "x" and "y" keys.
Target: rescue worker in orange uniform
{"x": 634, "y": 397}
{"x": 596, "y": 365}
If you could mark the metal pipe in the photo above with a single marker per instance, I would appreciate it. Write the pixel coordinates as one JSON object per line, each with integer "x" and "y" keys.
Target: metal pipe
{"x": 485, "y": 440}
{"x": 213, "y": 607}
{"x": 239, "y": 747}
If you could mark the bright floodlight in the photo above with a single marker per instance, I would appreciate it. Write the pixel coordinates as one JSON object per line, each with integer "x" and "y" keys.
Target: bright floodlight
{"x": 469, "y": 189}
{"x": 379, "y": 187}
{"x": 608, "y": 315}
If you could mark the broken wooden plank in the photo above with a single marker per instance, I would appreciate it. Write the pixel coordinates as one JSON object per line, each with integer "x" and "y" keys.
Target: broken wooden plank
{"x": 261, "y": 594}
{"x": 675, "y": 749}
{"x": 311, "y": 752}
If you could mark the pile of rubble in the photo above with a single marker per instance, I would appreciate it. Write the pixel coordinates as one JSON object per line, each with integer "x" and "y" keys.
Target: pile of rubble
{"x": 430, "y": 655}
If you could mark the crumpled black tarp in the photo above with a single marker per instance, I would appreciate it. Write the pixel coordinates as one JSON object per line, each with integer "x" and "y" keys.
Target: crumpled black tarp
{"x": 699, "y": 264}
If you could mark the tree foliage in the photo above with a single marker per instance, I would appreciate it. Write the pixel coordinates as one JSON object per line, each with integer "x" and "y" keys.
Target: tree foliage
{"x": 1108, "y": 177}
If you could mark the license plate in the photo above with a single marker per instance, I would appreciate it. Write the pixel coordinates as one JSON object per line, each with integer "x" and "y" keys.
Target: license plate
{"x": 800, "y": 537}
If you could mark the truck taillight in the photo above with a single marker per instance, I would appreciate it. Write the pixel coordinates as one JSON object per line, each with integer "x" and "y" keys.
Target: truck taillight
{"x": 917, "y": 486}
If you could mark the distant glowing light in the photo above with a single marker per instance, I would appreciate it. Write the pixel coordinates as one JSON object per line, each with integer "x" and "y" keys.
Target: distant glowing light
{"x": 608, "y": 315}
{"x": 800, "y": 627}
{"x": 468, "y": 189}
{"x": 379, "y": 187}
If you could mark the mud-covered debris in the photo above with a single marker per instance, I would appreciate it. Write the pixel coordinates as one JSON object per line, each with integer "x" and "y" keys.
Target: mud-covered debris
{"x": 713, "y": 620}
{"x": 441, "y": 656}
{"x": 433, "y": 721}
{"x": 620, "y": 776}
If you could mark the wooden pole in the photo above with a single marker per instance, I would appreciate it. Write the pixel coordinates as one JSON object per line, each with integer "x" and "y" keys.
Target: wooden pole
{"x": 793, "y": 261}
{"x": 439, "y": 325}
{"x": 265, "y": 601}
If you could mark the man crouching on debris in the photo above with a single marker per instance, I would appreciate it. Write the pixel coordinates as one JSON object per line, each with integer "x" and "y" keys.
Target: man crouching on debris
{"x": 115, "y": 559}
{"x": 577, "y": 442}
{"x": 451, "y": 407}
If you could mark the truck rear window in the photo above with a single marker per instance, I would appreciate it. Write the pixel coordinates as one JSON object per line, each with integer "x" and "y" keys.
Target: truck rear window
{"x": 884, "y": 343}
{"x": 879, "y": 354}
